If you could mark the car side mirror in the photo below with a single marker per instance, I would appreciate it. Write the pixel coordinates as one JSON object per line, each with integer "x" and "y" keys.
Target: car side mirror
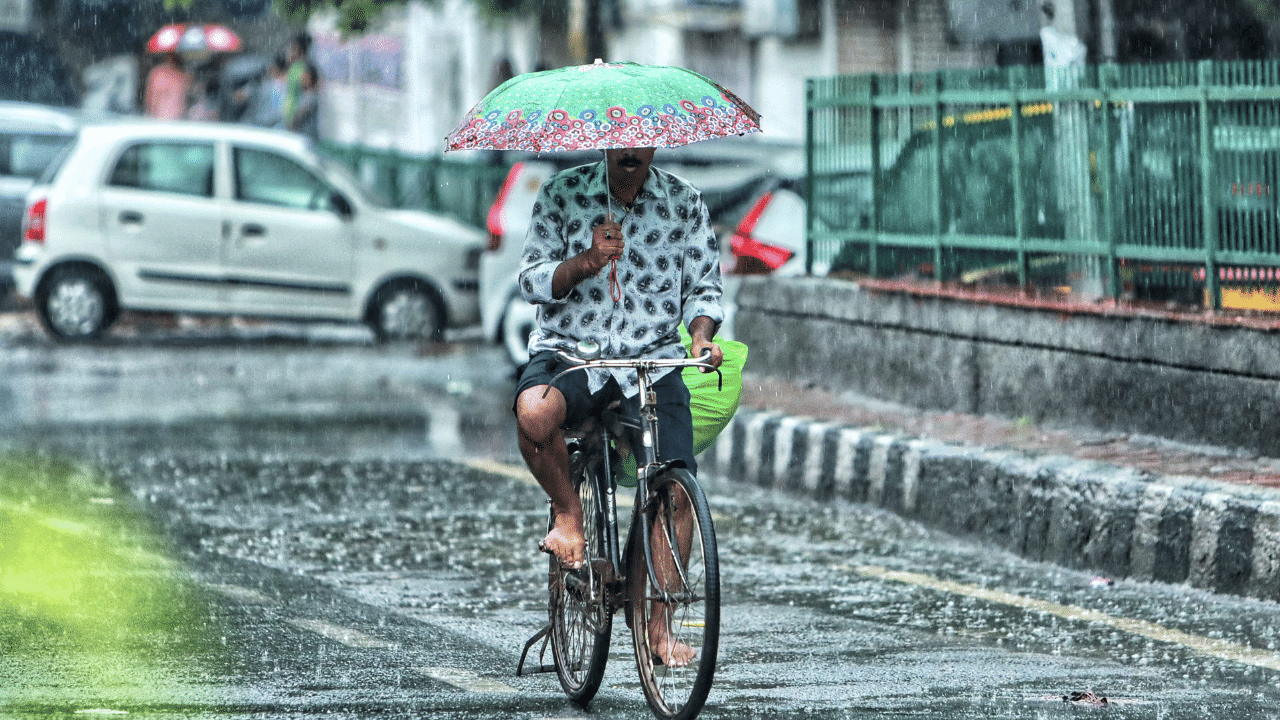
{"x": 341, "y": 205}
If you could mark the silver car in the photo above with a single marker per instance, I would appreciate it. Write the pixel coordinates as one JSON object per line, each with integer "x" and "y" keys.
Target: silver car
{"x": 233, "y": 220}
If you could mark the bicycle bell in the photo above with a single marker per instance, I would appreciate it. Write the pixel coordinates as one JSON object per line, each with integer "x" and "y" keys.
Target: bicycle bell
{"x": 588, "y": 349}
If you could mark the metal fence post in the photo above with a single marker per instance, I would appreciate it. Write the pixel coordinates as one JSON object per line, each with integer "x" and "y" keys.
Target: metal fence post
{"x": 1209, "y": 219}
{"x": 1106, "y": 179}
{"x": 1018, "y": 82}
{"x": 809, "y": 244}
{"x": 874, "y": 114}
{"x": 939, "y": 214}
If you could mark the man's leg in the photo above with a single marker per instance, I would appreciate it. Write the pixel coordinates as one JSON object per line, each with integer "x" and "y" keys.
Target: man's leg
{"x": 541, "y": 439}
{"x": 675, "y": 441}
{"x": 663, "y": 641}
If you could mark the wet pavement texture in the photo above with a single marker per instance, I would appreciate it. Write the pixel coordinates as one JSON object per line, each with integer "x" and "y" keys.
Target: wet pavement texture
{"x": 331, "y": 587}
{"x": 331, "y": 556}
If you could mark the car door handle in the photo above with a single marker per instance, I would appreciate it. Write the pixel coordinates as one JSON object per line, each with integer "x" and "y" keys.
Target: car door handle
{"x": 252, "y": 230}
{"x": 130, "y": 217}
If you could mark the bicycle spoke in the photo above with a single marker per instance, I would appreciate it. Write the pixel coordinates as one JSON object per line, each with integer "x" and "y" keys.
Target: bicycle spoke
{"x": 675, "y": 598}
{"x": 581, "y": 620}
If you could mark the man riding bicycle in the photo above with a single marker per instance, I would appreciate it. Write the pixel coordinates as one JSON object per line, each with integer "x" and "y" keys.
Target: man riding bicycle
{"x": 625, "y": 283}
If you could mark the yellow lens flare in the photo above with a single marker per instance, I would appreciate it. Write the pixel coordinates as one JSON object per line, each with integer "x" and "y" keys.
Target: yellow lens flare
{"x": 85, "y": 579}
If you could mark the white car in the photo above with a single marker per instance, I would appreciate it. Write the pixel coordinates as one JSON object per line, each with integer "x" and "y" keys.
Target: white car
{"x": 729, "y": 172}
{"x": 31, "y": 136}
{"x": 229, "y": 219}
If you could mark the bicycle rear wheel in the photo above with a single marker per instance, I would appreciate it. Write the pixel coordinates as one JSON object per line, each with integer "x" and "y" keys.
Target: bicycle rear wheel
{"x": 581, "y": 619}
{"x": 680, "y": 603}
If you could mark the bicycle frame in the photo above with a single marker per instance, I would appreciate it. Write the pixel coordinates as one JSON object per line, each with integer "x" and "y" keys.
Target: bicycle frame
{"x": 596, "y": 445}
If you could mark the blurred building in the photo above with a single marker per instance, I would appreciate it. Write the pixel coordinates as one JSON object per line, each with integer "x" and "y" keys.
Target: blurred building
{"x": 406, "y": 82}
{"x": 409, "y": 79}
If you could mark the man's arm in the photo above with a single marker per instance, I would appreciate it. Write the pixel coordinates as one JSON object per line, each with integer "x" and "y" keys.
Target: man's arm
{"x": 702, "y": 329}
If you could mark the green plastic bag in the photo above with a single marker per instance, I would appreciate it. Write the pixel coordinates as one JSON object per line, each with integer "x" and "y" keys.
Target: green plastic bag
{"x": 711, "y": 403}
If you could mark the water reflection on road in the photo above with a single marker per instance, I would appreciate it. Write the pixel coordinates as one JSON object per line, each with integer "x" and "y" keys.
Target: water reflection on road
{"x": 332, "y": 397}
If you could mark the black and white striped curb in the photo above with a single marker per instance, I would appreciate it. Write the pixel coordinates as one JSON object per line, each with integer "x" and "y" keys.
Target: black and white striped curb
{"x": 1088, "y": 515}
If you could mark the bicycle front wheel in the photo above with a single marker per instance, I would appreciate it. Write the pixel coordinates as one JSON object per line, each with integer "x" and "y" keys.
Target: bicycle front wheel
{"x": 581, "y": 618}
{"x": 674, "y": 597}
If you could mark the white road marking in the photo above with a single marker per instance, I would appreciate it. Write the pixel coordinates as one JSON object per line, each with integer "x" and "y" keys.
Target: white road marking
{"x": 465, "y": 680}
{"x": 1222, "y": 649}
{"x": 347, "y": 636}
{"x": 516, "y": 472}
{"x": 241, "y": 594}
{"x": 80, "y": 531}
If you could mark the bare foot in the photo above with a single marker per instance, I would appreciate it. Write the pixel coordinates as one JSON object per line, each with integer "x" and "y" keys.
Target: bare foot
{"x": 670, "y": 651}
{"x": 565, "y": 541}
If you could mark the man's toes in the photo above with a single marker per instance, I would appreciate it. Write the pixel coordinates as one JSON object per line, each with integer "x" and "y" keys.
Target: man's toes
{"x": 674, "y": 654}
{"x": 565, "y": 549}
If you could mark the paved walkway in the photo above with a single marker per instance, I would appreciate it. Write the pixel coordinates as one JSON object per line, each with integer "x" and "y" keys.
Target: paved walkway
{"x": 1117, "y": 505}
{"x": 1142, "y": 453}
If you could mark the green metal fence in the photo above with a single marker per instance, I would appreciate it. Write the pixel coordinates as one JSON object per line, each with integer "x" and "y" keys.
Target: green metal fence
{"x": 1143, "y": 180}
{"x": 462, "y": 189}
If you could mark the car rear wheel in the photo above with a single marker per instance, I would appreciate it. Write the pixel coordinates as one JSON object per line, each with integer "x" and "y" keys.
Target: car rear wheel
{"x": 519, "y": 319}
{"x": 407, "y": 310}
{"x": 77, "y": 303}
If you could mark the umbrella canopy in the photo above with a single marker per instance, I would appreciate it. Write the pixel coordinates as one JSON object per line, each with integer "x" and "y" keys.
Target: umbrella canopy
{"x": 603, "y": 106}
{"x": 181, "y": 37}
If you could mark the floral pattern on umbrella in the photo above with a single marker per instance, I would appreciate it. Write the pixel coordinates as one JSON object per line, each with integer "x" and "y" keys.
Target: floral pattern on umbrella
{"x": 602, "y": 106}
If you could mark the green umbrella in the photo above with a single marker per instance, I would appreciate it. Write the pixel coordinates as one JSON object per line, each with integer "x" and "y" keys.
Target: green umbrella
{"x": 603, "y": 106}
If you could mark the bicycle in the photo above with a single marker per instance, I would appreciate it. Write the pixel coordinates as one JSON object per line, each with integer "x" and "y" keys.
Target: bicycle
{"x": 675, "y": 591}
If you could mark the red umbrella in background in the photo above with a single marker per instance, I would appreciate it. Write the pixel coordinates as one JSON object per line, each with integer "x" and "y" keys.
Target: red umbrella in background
{"x": 184, "y": 38}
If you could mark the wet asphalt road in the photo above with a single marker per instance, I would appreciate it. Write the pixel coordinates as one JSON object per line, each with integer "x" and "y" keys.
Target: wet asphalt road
{"x": 298, "y": 523}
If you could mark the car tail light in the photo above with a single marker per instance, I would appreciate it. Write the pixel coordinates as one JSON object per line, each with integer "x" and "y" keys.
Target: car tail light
{"x": 33, "y": 224}
{"x": 494, "y": 222}
{"x": 745, "y": 247}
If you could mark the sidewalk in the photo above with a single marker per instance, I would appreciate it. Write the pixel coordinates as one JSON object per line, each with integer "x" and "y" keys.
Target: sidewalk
{"x": 1112, "y": 504}
{"x": 1142, "y": 453}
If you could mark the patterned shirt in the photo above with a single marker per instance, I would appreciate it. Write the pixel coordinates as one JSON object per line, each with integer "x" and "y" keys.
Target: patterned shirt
{"x": 669, "y": 270}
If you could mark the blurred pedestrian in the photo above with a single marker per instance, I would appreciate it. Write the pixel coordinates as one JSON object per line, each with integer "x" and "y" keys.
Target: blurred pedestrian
{"x": 167, "y": 86}
{"x": 204, "y": 101}
{"x": 266, "y": 104}
{"x": 306, "y": 116}
{"x": 296, "y": 53}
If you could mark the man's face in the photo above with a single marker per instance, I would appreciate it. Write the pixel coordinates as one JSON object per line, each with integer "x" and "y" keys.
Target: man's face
{"x": 631, "y": 163}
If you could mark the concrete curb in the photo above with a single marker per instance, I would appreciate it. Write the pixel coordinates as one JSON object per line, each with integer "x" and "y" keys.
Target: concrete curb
{"x": 1110, "y": 520}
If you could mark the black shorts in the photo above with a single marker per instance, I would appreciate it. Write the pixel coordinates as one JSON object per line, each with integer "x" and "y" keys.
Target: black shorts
{"x": 675, "y": 423}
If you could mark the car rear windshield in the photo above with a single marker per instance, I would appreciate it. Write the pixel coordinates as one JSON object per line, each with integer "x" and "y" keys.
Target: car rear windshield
{"x": 27, "y": 155}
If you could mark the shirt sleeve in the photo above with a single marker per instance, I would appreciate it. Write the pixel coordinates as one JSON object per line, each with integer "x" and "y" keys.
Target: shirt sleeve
{"x": 701, "y": 285}
{"x": 544, "y": 249}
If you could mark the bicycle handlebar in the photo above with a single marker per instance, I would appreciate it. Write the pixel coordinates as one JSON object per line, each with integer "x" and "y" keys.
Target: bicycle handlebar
{"x": 640, "y": 364}
{"x": 637, "y": 363}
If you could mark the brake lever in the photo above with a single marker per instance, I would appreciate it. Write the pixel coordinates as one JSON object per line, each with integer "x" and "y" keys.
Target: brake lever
{"x": 709, "y": 367}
